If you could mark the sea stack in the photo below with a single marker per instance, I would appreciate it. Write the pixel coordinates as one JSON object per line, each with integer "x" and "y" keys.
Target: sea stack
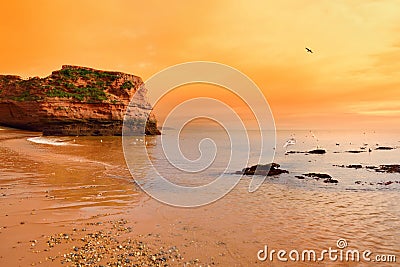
{"x": 75, "y": 101}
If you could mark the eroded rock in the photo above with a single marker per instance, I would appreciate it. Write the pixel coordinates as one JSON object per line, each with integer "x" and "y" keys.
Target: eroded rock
{"x": 76, "y": 101}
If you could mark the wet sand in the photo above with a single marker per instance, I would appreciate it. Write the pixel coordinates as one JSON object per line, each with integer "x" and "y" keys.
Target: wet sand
{"x": 56, "y": 212}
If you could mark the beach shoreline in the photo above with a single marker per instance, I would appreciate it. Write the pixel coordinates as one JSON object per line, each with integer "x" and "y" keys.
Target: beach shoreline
{"x": 47, "y": 191}
{"x": 38, "y": 213}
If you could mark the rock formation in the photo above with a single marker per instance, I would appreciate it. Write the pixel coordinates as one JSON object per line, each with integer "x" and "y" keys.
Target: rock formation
{"x": 76, "y": 101}
{"x": 327, "y": 178}
{"x": 266, "y": 169}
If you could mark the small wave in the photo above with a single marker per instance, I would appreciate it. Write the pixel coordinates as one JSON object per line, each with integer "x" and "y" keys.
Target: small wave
{"x": 50, "y": 141}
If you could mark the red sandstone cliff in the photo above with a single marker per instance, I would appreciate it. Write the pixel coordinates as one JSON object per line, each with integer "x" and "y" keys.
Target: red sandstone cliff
{"x": 75, "y": 101}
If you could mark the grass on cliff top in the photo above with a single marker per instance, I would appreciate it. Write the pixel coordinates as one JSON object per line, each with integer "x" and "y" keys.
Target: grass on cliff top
{"x": 62, "y": 84}
{"x": 72, "y": 73}
{"x": 94, "y": 91}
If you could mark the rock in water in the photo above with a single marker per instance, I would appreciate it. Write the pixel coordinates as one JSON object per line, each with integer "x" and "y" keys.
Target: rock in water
{"x": 391, "y": 168}
{"x": 354, "y": 166}
{"x": 318, "y": 175}
{"x": 327, "y": 178}
{"x": 384, "y": 148}
{"x": 266, "y": 169}
{"x": 331, "y": 181}
{"x": 75, "y": 101}
{"x": 317, "y": 151}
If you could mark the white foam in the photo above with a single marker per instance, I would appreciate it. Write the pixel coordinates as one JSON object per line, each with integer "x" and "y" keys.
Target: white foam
{"x": 50, "y": 141}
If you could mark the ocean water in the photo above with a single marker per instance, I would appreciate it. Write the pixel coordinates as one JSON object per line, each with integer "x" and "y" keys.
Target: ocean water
{"x": 340, "y": 147}
{"x": 89, "y": 174}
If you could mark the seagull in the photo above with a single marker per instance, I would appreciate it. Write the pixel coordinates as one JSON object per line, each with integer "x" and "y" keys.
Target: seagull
{"x": 290, "y": 142}
{"x": 309, "y": 50}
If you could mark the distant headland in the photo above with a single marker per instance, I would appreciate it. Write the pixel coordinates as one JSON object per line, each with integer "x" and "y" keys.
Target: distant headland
{"x": 75, "y": 101}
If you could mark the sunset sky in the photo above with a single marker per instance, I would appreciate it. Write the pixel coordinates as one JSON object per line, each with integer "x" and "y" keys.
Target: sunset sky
{"x": 352, "y": 80}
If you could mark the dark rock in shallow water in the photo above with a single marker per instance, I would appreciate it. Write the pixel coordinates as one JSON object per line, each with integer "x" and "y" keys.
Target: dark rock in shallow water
{"x": 371, "y": 167}
{"x": 390, "y": 168}
{"x": 318, "y": 175}
{"x": 331, "y": 181}
{"x": 317, "y": 151}
{"x": 351, "y": 166}
{"x": 327, "y": 178}
{"x": 384, "y": 148}
{"x": 341, "y": 166}
{"x": 294, "y": 152}
{"x": 385, "y": 183}
{"x": 266, "y": 169}
{"x": 394, "y": 168}
{"x": 354, "y": 166}
{"x": 314, "y": 151}
{"x": 355, "y": 151}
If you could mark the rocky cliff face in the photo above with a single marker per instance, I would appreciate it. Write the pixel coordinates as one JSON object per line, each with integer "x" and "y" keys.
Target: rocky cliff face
{"x": 76, "y": 101}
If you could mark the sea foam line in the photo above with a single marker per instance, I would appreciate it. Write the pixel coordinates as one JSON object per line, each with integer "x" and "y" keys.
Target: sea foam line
{"x": 50, "y": 141}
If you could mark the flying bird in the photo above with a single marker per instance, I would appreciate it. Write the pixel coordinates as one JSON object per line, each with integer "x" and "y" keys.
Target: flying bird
{"x": 290, "y": 142}
{"x": 309, "y": 50}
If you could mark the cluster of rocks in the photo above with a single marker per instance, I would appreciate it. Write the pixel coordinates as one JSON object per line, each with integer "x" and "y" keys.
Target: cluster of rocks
{"x": 389, "y": 168}
{"x": 323, "y": 151}
{"x": 274, "y": 169}
{"x": 364, "y": 149}
{"x": 352, "y": 166}
{"x": 378, "y": 183}
{"x": 326, "y": 177}
{"x": 319, "y": 151}
{"x": 392, "y": 168}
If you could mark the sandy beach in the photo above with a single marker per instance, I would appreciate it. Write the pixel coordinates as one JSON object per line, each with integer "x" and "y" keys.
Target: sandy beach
{"x": 63, "y": 210}
{"x": 44, "y": 223}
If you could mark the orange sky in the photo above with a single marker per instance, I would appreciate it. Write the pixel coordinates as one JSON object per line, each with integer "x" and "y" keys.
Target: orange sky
{"x": 352, "y": 79}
